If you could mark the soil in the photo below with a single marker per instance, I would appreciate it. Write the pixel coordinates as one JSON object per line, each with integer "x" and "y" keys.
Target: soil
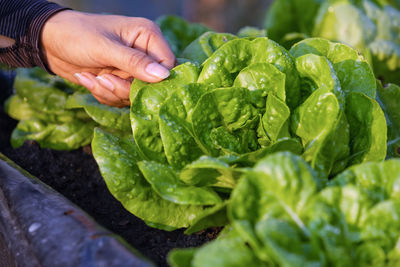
{"x": 75, "y": 175}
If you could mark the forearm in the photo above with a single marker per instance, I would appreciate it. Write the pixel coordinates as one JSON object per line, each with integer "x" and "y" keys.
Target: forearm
{"x": 21, "y": 22}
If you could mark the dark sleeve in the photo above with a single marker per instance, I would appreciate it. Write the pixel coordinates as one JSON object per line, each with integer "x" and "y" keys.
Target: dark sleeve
{"x": 23, "y": 20}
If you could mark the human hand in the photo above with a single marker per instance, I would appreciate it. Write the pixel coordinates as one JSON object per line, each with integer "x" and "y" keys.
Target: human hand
{"x": 105, "y": 52}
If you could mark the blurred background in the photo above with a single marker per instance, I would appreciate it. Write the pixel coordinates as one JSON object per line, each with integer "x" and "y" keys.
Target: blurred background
{"x": 220, "y": 15}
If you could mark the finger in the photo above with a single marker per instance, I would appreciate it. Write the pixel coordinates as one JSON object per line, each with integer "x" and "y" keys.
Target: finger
{"x": 67, "y": 70}
{"x": 153, "y": 44}
{"x": 116, "y": 72}
{"x": 160, "y": 50}
{"x": 102, "y": 94}
{"x": 137, "y": 63}
{"x": 118, "y": 86}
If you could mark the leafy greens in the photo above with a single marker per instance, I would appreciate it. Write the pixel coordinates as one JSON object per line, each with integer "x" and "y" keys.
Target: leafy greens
{"x": 195, "y": 134}
{"x": 370, "y": 26}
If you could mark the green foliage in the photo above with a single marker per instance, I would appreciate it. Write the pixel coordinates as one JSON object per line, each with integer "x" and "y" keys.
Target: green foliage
{"x": 370, "y": 26}
{"x": 118, "y": 161}
{"x": 283, "y": 214}
{"x": 109, "y": 117}
{"x": 283, "y": 148}
{"x": 388, "y": 97}
{"x": 221, "y": 68}
{"x": 165, "y": 182}
{"x": 179, "y": 33}
{"x": 146, "y": 105}
{"x": 290, "y": 16}
{"x": 367, "y": 128}
{"x": 352, "y": 70}
{"x": 340, "y": 123}
{"x": 40, "y": 105}
{"x": 200, "y": 131}
{"x": 57, "y": 114}
{"x": 59, "y": 136}
{"x": 203, "y": 47}
{"x": 251, "y": 32}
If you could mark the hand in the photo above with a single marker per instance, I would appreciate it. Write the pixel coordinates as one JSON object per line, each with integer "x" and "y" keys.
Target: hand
{"x": 104, "y": 52}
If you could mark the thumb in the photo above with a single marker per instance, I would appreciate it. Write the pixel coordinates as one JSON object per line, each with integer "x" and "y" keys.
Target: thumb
{"x": 137, "y": 63}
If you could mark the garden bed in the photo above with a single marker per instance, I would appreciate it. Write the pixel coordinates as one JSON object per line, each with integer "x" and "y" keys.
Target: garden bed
{"x": 76, "y": 176}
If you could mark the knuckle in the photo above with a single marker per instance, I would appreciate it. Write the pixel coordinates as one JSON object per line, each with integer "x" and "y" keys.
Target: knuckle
{"x": 155, "y": 28}
{"x": 146, "y": 22}
{"x": 147, "y": 25}
{"x": 136, "y": 60}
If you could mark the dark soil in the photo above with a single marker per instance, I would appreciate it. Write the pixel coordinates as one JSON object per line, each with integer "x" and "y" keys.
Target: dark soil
{"x": 76, "y": 176}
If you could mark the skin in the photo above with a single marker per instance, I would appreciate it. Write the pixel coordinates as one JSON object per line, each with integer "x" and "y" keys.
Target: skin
{"x": 6, "y": 42}
{"x": 105, "y": 53}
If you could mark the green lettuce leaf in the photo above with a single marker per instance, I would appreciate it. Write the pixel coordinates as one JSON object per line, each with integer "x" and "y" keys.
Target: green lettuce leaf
{"x": 205, "y": 45}
{"x": 127, "y": 184}
{"x": 388, "y": 97}
{"x": 145, "y": 110}
{"x": 178, "y": 32}
{"x": 353, "y": 71}
{"x": 368, "y": 134}
{"x": 213, "y": 217}
{"x": 229, "y": 250}
{"x": 110, "y": 117}
{"x": 266, "y": 205}
{"x": 65, "y": 136}
{"x": 165, "y": 182}
{"x": 321, "y": 124}
{"x": 221, "y": 69}
{"x": 221, "y": 118}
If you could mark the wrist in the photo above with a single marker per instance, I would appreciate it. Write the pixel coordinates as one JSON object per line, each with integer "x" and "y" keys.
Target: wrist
{"x": 50, "y": 32}
{"x": 37, "y": 15}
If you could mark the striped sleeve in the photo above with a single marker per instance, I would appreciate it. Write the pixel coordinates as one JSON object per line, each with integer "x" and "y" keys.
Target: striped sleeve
{"x": 23, "y": 20}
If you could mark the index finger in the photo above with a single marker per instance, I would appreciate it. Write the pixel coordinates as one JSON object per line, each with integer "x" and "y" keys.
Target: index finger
{"x": 150, "y": 41}
{"x": 159, "y": 49}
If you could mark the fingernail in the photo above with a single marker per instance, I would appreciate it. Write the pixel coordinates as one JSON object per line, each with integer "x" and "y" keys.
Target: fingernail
{"x": 106, "y": 83}
{"x": 157, "y": 70}
{"x": 84, "y": 81}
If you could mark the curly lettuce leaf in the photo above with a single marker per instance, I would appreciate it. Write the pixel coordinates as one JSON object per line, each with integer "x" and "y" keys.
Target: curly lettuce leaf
{"x": 251, "y": 32}
{"x": 64, "y": 136}
{"x": 110, "y": 117}
{"x": 221, "y": 118}
{"x": 208, "y": 171}
{"x": 342, "y": 21}
{"x": 43, "y": 96}
{"x": 145, "y": 109}
{"x": 221, "y": 69}
{"x": 274, "y": 124}
{"x": 266, "y": 207}
{"x": 117, "y": 159}
{"x": 180, "y": 146}
{"x": 353, "y": 71}
{"x": 17, "y": 108}
{"x": 290, "y": 16}
{"x": 213, "y": 217}
{"x": 262, "y": 78}
{"x": 321, "y": 124}
{"x": 368, "y": 132}
{"x": 381, "y": 180}
{"x": 318, "y": 73}
{"x": 388, "y": 97}
{"x": 229, "y": 250}
{"x": 166, "y": 183}
{"x": 205, "y": 45}
{"x": 178, "y": 32}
